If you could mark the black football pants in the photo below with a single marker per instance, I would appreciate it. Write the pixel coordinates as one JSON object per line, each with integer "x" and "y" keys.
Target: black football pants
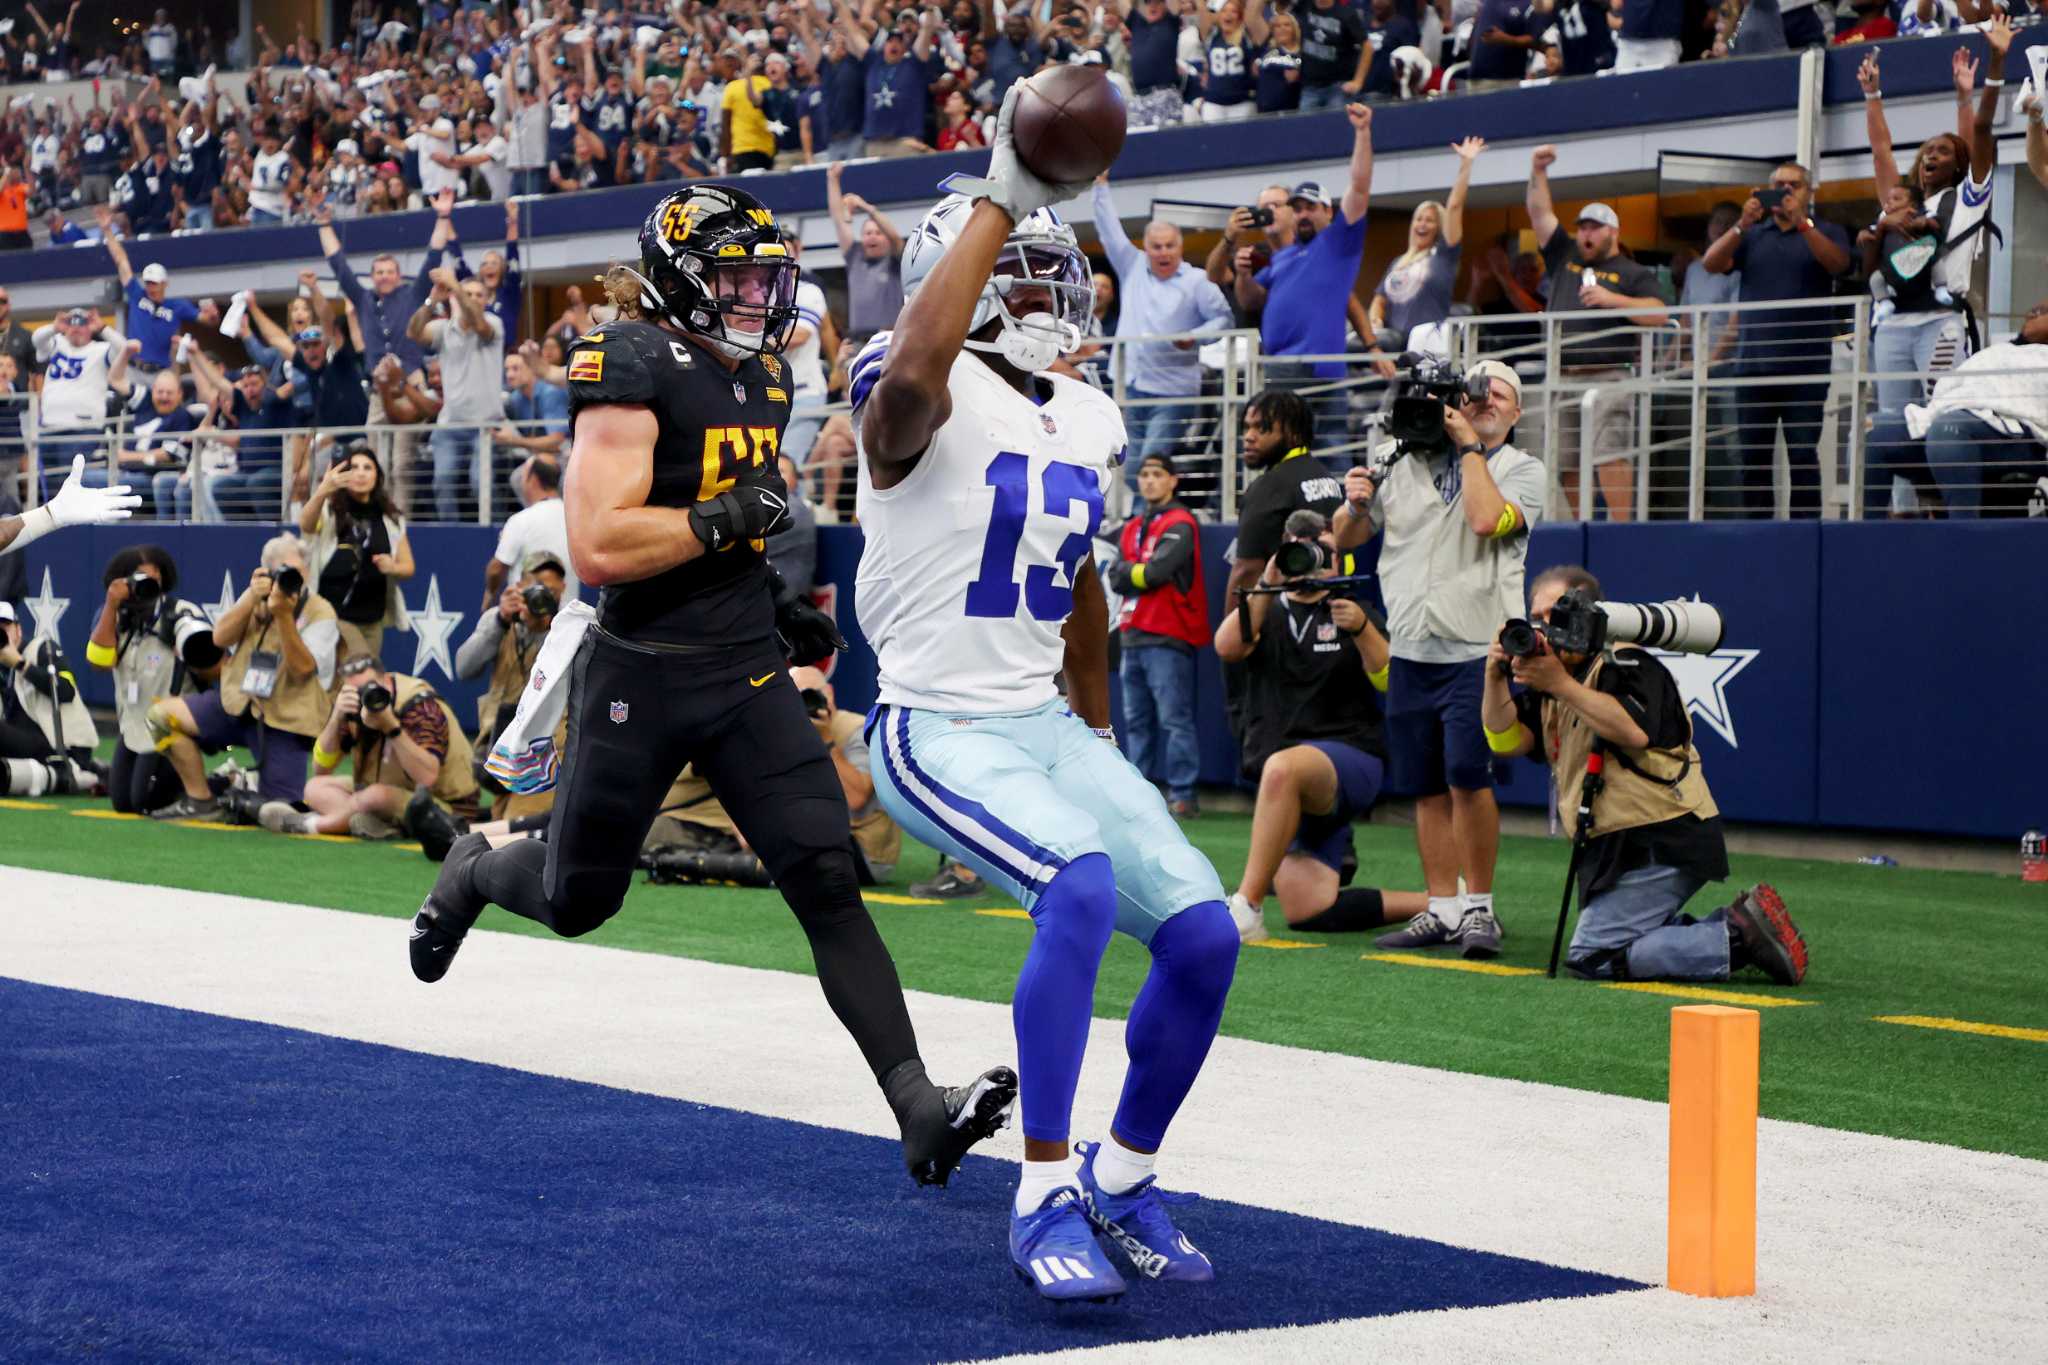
{"x": 636, "y": 716}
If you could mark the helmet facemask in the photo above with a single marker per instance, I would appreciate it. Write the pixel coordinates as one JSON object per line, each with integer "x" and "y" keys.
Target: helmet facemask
{"x": 750, "y": 304}
{"x": 1043, "y": 294}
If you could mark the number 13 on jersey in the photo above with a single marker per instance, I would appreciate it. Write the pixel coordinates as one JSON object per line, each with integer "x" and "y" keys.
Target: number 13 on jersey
{"x": 1048, "y": 588}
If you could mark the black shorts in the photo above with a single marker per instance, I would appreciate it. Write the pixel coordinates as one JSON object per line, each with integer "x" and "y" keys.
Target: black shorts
{"x": 637, "y": 715}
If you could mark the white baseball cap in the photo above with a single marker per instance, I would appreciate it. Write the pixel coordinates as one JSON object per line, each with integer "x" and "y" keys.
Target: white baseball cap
{"x": 1600, "y": 213}
{"x": 7, "y": 611}
{"x": 347, "y": 147}
{"x": 154, "y": 273}
{"x": 1491, "y": 370}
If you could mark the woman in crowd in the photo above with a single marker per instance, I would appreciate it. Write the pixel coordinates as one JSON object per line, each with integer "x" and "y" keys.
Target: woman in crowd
{"x": 1231, "y": 45}
{"x": 1280, "y": 67}
{"x": 358, "y": 551}
{"x": 1416, "y": 290}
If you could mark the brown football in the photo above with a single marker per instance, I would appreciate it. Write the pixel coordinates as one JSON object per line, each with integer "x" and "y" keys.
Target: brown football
{"x": 1069, "y": 124}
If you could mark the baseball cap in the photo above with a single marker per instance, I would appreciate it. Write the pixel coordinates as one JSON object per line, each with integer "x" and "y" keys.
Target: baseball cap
{"x": 1600, "y": 213}
{"x": 347, "y": 147}
{"x": 77, "y": 316}
{"x": 248, "y": 370}
{"x": 1313, "y": 192}
{"x": 154, "y": 273}
{"x": 1491, "y": 370}
{"x": 1165, "y": 462}
{"x": 7, "y": 612}
{"x": 309, "y": 334}
{"x": 442, "y": 128}
{"x": 430, "y": 102}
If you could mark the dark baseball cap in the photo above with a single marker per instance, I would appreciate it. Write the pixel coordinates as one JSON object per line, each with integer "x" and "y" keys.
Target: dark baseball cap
{"x": 1165, "y": 462}
{"x": 1313, "y": 192}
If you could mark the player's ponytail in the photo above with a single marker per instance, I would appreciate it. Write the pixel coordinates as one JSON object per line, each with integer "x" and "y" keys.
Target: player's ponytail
{"x": 623, "y": 286}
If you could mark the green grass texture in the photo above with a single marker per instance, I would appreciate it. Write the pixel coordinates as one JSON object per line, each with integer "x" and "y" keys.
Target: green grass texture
{"x": 1885, "y": 941}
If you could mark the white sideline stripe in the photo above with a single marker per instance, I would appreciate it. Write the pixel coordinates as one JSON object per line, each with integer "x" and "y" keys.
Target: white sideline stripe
{"x": 1870, "y": 1248}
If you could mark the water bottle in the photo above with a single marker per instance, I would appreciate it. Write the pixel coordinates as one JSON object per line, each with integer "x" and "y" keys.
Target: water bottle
{"x": 2034, "y": 857}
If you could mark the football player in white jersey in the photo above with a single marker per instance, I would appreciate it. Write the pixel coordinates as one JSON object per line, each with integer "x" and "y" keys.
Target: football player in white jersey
{"x": 981, "y": 481}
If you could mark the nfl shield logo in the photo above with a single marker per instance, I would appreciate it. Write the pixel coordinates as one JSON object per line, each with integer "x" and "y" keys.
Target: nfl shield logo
{"x": 540, "y": 680}
{"x": 1326, "y": 631}
{"x": 1045, "y": 420}
{"x": 619, "y": 713}
{"x": 739, "y": 391}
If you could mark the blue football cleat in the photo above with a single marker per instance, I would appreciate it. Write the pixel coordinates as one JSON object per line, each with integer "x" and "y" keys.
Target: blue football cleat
{"x": 1054, "y": 1250}
{"x": 1138, "y": 1225}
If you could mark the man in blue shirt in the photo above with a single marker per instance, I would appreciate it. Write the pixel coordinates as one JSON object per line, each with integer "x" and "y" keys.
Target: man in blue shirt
{"x": 896, "y": 83}
{"x": 1160, "y": 293}
{"x": 537, "y": 410}
{"x": 1501, "y": 40}
{"x": 1154, "y": 41}
{"x": 1783, "y": 253}
{"x": 1013, "y": 54}
{"x": 844, "y": 81}
{"x": 153, "y": 318}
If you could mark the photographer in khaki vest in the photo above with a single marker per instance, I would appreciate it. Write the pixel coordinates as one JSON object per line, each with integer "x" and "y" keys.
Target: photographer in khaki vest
{"x": 273, "y": 689}
{"x": 400, "y": 737}
{"x": 1656, "y": 832}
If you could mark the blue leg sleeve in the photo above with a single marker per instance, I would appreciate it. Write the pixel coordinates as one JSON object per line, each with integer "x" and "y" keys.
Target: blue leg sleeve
{"x": 1074, "y": 915}
{"x": 1194, "y": 956}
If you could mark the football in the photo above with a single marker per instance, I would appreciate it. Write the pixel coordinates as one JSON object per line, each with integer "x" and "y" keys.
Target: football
{"x": 1069, "y": 124}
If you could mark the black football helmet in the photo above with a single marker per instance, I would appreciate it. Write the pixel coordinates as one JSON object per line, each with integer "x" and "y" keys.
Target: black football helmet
{"x": 714, "y": 262}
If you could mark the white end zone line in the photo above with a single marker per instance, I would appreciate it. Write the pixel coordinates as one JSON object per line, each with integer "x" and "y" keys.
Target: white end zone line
{"x": 1869, "y": 1247}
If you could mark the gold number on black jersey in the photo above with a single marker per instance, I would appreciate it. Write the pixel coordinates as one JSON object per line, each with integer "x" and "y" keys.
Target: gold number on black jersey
{"x": 729, "y": 449}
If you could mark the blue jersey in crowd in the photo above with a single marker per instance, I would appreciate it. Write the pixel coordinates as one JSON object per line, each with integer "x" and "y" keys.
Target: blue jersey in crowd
{"x": 1305, "y": 288}
{"x": 1652, "y": 18}
{"x": 608, "y": 117}
{"x": 1584, "y": 40}
{"x": 1155, "y": 51}
{"x": 1398, "y": 32}
{"x": 562, "y": 123}
{"x": 845, "y": 84}
{"x": 1500, "y": 61}
{"x": 896, "y": 95}
{"x": 1231, "y": 69}
{"x": 1276, "y": 92}
{"x": 154, "y": 324}
{"x": 271, "y": 414}
{"x": 197, "y": 170}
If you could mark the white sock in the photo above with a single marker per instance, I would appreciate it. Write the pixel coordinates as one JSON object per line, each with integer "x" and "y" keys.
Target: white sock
{"x": 1473, "y": 900}
{"x": 1446, "y": 910}
{"x": 1040, "y": 1179}
{"x": 1118, "y": 1169}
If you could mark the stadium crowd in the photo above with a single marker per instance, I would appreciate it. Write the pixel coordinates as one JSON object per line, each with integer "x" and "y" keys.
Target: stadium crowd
{"x": 495, "y": 101}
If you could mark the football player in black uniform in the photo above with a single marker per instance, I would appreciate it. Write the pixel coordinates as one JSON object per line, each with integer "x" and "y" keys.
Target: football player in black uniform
{"x": 672, "y": 490}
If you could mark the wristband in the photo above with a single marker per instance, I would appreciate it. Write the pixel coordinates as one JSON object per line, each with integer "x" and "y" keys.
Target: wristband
{"x": 1504, "y": 741}
{"x": 99, "y": 655}
{"x": 1137, "y": 575}
{"x": 1994, "y": 83}
{"x": 322, "y": 757}
{"x": 1869, "y": 95}
{"x": 36, "y": 523}
{"x": 1474, "y": 448}
{"x": 1378, "y": 677}
{"x": 1506, "y": 525}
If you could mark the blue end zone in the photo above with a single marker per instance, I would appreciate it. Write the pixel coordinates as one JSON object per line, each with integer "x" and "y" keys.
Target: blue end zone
{"x": 181, "y": 1186}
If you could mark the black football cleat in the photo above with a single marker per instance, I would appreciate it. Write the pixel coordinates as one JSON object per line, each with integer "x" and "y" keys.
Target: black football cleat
{"x": 933, "y": 1148}
{"x": 447, "y": 914}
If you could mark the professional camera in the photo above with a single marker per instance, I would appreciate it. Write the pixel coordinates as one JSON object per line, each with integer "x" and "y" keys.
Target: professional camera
{"x": 144, "y": 589}
{"x": 816, "y": 703}
{"x": 540, "y": 600}
{"x": 1579, "y": 625}
{"x": 1301, "y": 558}
{"x": 289, "y": 581}
{"x": 374, "y": 696}
{"x": 1416, "y": 419}
{"x": 676, "y": 865}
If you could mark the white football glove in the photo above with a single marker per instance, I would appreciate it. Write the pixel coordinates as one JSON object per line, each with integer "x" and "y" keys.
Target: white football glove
{"x": 77, "y": 505}
{"x": 1009, "y": 185}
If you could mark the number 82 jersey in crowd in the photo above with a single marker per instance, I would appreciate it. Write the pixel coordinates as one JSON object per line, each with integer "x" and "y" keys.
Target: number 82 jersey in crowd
{"x": 967, "y": 572}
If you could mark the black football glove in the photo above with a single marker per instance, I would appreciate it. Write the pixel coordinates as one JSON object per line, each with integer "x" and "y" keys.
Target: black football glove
{"x": 807, "y": 634}
{"x": 753, "y": 512}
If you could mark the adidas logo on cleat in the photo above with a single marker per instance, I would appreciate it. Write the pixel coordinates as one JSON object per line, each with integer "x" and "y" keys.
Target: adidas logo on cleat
{"x": 1050, "y": 1269}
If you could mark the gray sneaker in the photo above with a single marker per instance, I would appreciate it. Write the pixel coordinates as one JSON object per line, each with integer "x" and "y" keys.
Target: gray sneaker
{"x": 1479, "y": 934}
{"x": 281, "y": 817}
{"x": 185, "y": 808}
{"x": 1424, "y": 931}
{"x": 364, "y": 825}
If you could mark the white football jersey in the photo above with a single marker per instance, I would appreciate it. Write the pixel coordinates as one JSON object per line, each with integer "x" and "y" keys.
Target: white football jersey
{"x": 967, "y": 573}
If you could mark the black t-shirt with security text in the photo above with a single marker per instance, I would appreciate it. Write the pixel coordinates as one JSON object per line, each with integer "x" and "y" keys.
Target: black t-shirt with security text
{"x": 1294, "y": 483}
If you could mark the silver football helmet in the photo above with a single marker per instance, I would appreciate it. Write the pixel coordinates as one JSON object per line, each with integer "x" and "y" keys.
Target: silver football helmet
{"x": 1041, "y": 268}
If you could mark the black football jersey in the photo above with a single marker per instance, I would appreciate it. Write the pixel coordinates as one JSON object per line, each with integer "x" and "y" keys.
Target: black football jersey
{"x": 717, "y": 429}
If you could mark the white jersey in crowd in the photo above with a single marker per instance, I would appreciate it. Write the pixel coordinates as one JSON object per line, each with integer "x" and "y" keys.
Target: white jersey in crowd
{"x": 806, "y": 365}
{"x": 270, "y": 176}
{"x": 967, "y": 572}
{"x": 74, "y": 380}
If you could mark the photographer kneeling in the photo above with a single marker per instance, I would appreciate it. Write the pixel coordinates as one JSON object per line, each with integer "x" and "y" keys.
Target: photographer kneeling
{"x": 505, "y": 643}
{"x": 400, "y": 736}
{"x": 1312, "y": 739}
{"x": 1656, "y": 832}
{"x": 156, "y": 645}
{"x": 273, "y": 689}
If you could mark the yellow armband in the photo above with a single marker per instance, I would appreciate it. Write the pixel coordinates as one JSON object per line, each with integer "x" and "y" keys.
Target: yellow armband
{"x": 1378, "y": 677}
{"x": 1502, "y": 741}
{"x": 326, "y": 761}
{"x": 1510, "y": 519}
{"x": 1138, "y": 576}
{"x": 99, "y": 655}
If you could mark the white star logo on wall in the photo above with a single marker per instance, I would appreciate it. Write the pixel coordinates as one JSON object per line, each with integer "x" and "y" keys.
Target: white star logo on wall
{"x": 1703, "y": 684}
{"x": 48, "y": 609}
{"x": 431, "y": 628}
{"x": 216, "y": 610}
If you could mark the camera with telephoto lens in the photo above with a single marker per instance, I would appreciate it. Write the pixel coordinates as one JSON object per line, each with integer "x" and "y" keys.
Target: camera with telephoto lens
{"x": 1416, "y": 418}
{"x": 1301, "y": 558}
{"x": 373, "y": 696}
{"x": 1579, "y": 625}
{"x": 540, "y": 599}
{"x": 144, "y": 589}
{"x": 289, "y": 581}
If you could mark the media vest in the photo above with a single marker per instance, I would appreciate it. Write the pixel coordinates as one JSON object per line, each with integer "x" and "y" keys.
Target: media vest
{"x": 517, "y": 650}
{"x": 1164, "y": 609}
{"x": 1669, "y": 782}
{"x": 298, "y": 706}
{"x": 374, "y": 761}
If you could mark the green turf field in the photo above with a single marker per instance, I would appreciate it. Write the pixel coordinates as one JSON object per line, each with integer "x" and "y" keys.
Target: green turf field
{"x": 1944, "y": 945}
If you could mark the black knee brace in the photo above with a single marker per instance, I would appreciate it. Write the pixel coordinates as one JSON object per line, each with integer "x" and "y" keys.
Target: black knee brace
{"x": 821, "y": 886}
{"x": 1357, "y": 909}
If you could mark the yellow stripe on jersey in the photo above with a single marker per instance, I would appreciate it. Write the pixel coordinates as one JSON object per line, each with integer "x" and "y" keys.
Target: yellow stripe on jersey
{"x": 587, "y": 367}
{"x": 776, "y": 395}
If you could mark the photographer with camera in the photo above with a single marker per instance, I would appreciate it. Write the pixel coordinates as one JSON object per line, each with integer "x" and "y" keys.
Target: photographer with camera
{"x": 273, "y": 690}
{"x": 155, "y": 645}
{"x": 1164, "y": 620}
{"x": 358, "y": 548}
{"x": 399, "y": 737}
{"x": 1655, "y": 834}
{"x": 1455, "y": 501}
{"x": 1313, "y": 658}
{"x": 46, "y": 735}
{"x": 506, "y": 641}
{"x": 879, "y": 840}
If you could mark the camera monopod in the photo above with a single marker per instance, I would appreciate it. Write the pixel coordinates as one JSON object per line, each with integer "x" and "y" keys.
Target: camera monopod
{"x": 1589, "y": 790}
